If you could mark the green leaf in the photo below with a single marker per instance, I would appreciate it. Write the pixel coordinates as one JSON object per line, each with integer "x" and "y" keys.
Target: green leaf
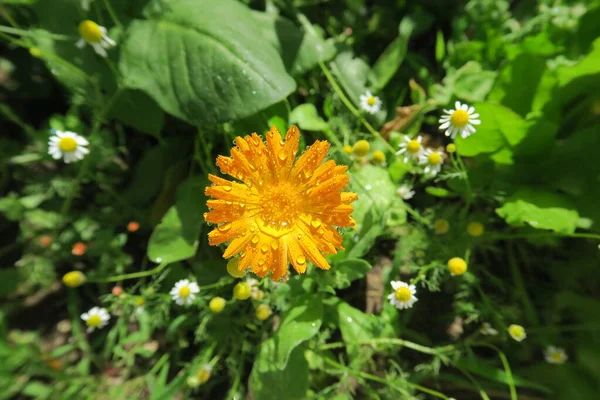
{"x": 351, "y": 74}
{"x": 205, "y": 62}
{"x": 300, "y": 49}
{"x": 267, "y": 382}
{"x": 10, "y": 278}
{"x": 167, "y": 243}
{"x": 440, "y": 46}
{"x": 191, "y": 206}
{"x": 392, "y": 57}
{"x": 540, "y": 209}
{"x": 44, "y": 219}
{"x": 439, "y": 192}
{"x": 500, "y": 127}
{"x": 136, "y": 109}
{"x": 307, "y": 117}
{"x": 344, "y": 272}
{"x": 518, "y": 82}
{"x": 472, "y": 83}
{"x": 375, "y": 189}
{"x": 356, "y": 326}
{"x": 301, "y": 322}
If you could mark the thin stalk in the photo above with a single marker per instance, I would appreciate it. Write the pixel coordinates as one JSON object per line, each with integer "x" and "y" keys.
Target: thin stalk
{"x": 507, "y": 370}
{"x": 494, "y": 236}
{"x": 132, "y": 275}
{"x": 395, "y": 341}
{"x": 112, "y": 14}
{"x": 23, "y": 32}
{"x": 520, "y": 286}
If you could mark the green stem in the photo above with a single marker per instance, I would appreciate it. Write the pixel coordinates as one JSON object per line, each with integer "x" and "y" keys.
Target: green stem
{"x": 493, "y": 236}
{"x": 395, "y": 341}
{"x": 422, "y": 273}
{"x": 338, "y": 90}
{"x": 384, "y": 381}
{"x": 416, "y": 215}
{"x": 506, "y": 365}
{"x": 215, "y": 285}
{"x": 520, "y": 286}
{"x": 112, "y": 13}
{"x": 133, "y": 275}
{"x": 76, "y": 328}
{"x": 23, "y": 32}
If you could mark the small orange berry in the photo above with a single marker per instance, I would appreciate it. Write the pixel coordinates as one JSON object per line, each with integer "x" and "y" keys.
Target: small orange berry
{"x": 46, "y": 240}
{"x": 79, "y": 249}
{"x": 117, "y": 290}
{"x": 133, "y": 226}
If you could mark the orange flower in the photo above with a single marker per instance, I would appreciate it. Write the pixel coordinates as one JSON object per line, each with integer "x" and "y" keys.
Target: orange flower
{"x": 79, "y": 249}
{"x": 284, "y": 207}
{"x": 133, "y": 226}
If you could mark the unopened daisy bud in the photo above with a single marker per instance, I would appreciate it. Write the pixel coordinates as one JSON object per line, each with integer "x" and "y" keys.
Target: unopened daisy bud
{"x": 193, "y": 381}
{"x": 347, "y": 149}
{"x": 204, "y": 373}
{"x": 79, "y": 249}
{"x": 475, "y": 229}
{"x": 361, "y": 148}
{"x": 441, "y": 226}
{"x": 73, "y": 279}
{"x": 133, "y": 226}
{"x": 457, "y": 266}
{"x": 378, "y": 157}
{"x": 117, "y": 290}
{"x": 263, "y": 311}
{"x": 451, "y": 148}
{"x": 232, "y": 268}
{"x": 45, "y": 240}
{"x": 242, "y": 291}
{"x": 216, "y": 304}
{"x": 517, "y": 332}
{"x": 257, "y": 294}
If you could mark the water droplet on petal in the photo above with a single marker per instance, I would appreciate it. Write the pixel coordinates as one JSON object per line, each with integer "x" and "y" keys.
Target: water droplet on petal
{"x": 264, "y": 248}
{"x": 227, "y": 188}
{"x": 224, "y": 228}
{"x": 301, "y": 260}
{"x": 274, "y": 244}
{"x": 315, "y": 223}
{"x": 255, "y": 239}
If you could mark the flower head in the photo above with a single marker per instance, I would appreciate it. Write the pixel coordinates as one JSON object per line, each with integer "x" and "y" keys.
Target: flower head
{"x": 96, "y": 36}
{"x": 432, "y": 160}
{"x": 405, "y": 191}
{"x": 555, "y": 355}
{"x": 457, "y": 266}
{"x": 411, "y": 148}
{"x": 46, "y": 240}
{"x": 242, "y": 291}
{"x": 403, "y": 296}
{"x": 370, "y": 103}
{"x": 517, "y": 332}
{"x": 263, "y": 311}
{"x": 451, "y": 148}
{"x": 133, "y": 226}
{"x": 216, "y": 304}
{"x": 67, "y": 145}
{"x": 204, "y": 373}
{"x": 361, "y": 148}
{"x": 284, "y": 207}
{"x": 475, "y": 229}
{"x": 79, "y": 249}
{"x": 96, "y": 318}
{"x": 139, "y": 304}
{"x": 460, "y": 120}
{"x": 73, "y": 279}
{"x": 378, "y": 157}
{"x": 441, "y": 226}
{"x": 184, "y": 292}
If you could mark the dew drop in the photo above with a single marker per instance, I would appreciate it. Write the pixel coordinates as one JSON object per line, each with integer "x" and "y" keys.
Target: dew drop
{"x": 282, "y": 155}
{"x": 255, "y": 239}
{"x": 315, "y": 223}
{"x": 274, "y": 244}
{"x": 301, "y": 260}
{"x": 224, "y": 228}
{"x": 264, "y": 248}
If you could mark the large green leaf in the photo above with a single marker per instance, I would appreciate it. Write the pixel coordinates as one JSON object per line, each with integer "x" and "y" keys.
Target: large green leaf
{"x": 300, "y": 49}
{"x": 267, "y": 382}
{"x": 344, "y": 272}
{"x": 356, "y": 326}
{"x": 203, "y": 61}
{"x": 302, "y": 321}
{"x": 540, "y": 209}
{"x": 307, "y": 117}
{"x": 136, "y": 109}
{"x": 191, "y": 206}
{"x": 167, "y": 243}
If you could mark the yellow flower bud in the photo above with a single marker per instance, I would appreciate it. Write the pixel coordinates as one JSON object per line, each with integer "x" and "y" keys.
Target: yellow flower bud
{"x": 263, "y": 311}
{"x": 193, "y": 381}
{"x": 475, "y": 229}
{"x": 378, "y": 157}
{"x": 451, "y": 148}
{"x": 441, "y": 226}
{"x": 347, "y": 149}
{"x": 258, "y": 294}
{"x": 242, "y": 291}
{"x": 217, "y": 304}
{"x": 361, "y": 148}
{"x": 139, "y": 301}
{"x": 232, "y": 268}
{"x": 73, "y": 279}
{"x": 204, "y": 374}
{"x": 457, "y": 266}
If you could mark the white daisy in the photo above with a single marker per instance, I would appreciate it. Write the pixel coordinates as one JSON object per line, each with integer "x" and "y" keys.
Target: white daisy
{"x": 411, "y": 148}
{"x": 555, "y": 355}
{"x": 405, "y": 191}
{"x": 370, "y": 103}
{"x": 85, "y": 4}
{"x": 488, "y": 330}
{"x": 460, "y": 120}
{"x": 67, "y": 145}
{"x": 95, "y": 35}
{"x": 96, "y": 318}
{"x": 517, "y": 332}
{"x": 403, "y": 296}
{"x": 184, "y": 292}
{"x": 433, "y": 161}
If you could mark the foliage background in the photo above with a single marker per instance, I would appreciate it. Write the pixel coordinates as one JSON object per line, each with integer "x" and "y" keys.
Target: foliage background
{"x": 186, "y": 77}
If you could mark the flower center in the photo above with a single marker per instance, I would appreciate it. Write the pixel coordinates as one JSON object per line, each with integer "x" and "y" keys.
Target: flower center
{"x": 556, "y": 356}
{"x": 184, "y": 291}
{"x": 371, "y": 101}
{"x": 67, "y": 144}
{"x": 403, "y": 294}
{"x": 516, "y": 331}
{"x": 279, "y": 205}
{"x": 459, "y": 118}
{"x": 90, "y": 31}
{"x": 94, "y": 321}
{"x": 140, "y": 301}
{"x": 434, "y": 158}
{"x": 413, "y": 146}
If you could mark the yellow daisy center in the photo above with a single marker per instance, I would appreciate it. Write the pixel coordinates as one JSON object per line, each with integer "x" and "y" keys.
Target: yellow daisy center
{"x": 434, "y": 158}
{"x": 459, "y": 118}
{"x": 441, "y": 226}
{"x": 371, "y": 100}
{"x": 184, "y": 291}
{"x": 457, "y": 266}
{"x": 67, "y": 144}
{"x": 94, "y": 321}
{"x": 279, "y": 205}
{"x": 475, "y": 229}
{"x": 516, "y": 331}
{"x": 403, "y": 294}
{"x": 413, "y": 146}
{"x": 90, "y": 31}
{"x": 139, "y": 301}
